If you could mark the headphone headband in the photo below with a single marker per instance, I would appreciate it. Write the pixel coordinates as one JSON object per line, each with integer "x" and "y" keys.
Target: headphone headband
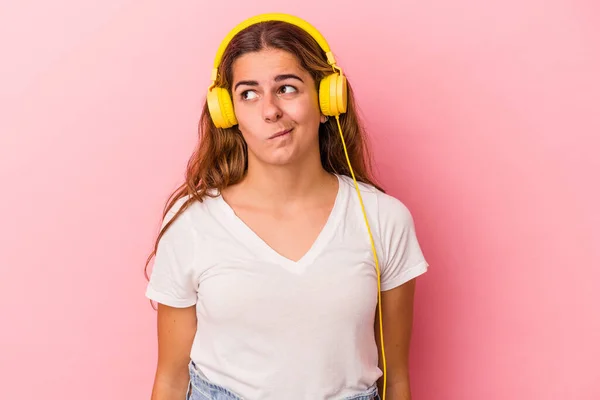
{"x": 291, "y": 19}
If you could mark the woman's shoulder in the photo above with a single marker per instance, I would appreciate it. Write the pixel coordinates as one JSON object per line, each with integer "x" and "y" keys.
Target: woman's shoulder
{"x": 189, "y": 211}
{"x": 385, "y": 206}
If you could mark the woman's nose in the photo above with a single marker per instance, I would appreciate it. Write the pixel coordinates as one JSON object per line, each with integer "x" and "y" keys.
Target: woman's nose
{"x": 271, "y": 109}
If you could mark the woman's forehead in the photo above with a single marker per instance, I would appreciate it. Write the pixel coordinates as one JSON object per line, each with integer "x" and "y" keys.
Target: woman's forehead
{"x": 266, "y": 65}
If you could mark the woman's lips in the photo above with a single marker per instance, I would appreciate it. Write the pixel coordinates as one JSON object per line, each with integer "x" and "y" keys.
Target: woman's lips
{"x": 281, "y": 133}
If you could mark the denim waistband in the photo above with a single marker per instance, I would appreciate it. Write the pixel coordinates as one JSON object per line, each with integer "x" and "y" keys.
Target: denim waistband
{"x": 200, "y": 388}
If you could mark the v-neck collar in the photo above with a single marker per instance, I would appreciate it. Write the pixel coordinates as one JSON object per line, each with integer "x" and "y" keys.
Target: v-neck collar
{"x": 255, "y": 241}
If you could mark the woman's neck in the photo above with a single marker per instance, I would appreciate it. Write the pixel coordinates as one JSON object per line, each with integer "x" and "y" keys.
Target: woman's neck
{"x": 281, "y": 185}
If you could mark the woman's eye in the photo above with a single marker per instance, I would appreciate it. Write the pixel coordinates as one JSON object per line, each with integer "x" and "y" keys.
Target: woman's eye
{"x": 289, "y": 89}
{"x": 248, "y": 95}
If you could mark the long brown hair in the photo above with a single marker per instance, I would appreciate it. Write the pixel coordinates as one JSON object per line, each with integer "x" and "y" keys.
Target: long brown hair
{"x": 220, "y": 158}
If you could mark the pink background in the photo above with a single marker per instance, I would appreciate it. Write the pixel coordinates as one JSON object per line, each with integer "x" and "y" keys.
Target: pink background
{"x": 485, "y": 122}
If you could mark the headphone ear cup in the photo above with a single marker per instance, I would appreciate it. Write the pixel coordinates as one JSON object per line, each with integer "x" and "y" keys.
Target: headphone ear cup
{"x": 220, "y": 107}
{"x": 341, "y": 94}
{"x": 333, "y": 95}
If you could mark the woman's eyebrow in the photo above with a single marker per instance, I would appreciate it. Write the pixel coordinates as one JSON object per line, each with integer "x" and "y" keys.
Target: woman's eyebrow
{"x": 246, "y": 83}
{"x": 278, "y": 78}
{"x": 283, "y": 77}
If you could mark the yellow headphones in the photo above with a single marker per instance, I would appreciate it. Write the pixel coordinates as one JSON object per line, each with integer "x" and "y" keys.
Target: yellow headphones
{"x": 333, "y": 101}
{"x": 332, "y": 89}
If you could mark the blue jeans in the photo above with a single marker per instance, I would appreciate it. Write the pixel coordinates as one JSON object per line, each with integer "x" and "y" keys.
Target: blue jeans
{"x": 202, "y": 389}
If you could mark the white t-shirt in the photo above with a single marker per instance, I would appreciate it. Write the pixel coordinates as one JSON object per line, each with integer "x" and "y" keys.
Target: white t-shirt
{"x": 271, "y": 328}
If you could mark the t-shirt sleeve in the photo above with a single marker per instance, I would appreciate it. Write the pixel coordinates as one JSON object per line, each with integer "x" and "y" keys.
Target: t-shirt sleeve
{"x": 172, "y": 281}
{"x": 402, "y": 258}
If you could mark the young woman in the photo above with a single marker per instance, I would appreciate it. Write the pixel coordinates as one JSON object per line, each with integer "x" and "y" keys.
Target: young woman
{"x": 279, "y": 253}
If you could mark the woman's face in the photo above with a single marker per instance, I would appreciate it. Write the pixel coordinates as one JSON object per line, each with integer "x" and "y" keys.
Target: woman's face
{"x": 277, "y": 107}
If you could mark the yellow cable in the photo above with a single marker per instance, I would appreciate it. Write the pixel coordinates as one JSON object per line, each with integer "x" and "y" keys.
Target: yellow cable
{"x": 374, "y": 256}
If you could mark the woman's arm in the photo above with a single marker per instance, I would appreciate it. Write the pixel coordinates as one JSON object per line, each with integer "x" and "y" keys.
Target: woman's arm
{"x": 397, "y": 309}
{"x": 176, "y": 330}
